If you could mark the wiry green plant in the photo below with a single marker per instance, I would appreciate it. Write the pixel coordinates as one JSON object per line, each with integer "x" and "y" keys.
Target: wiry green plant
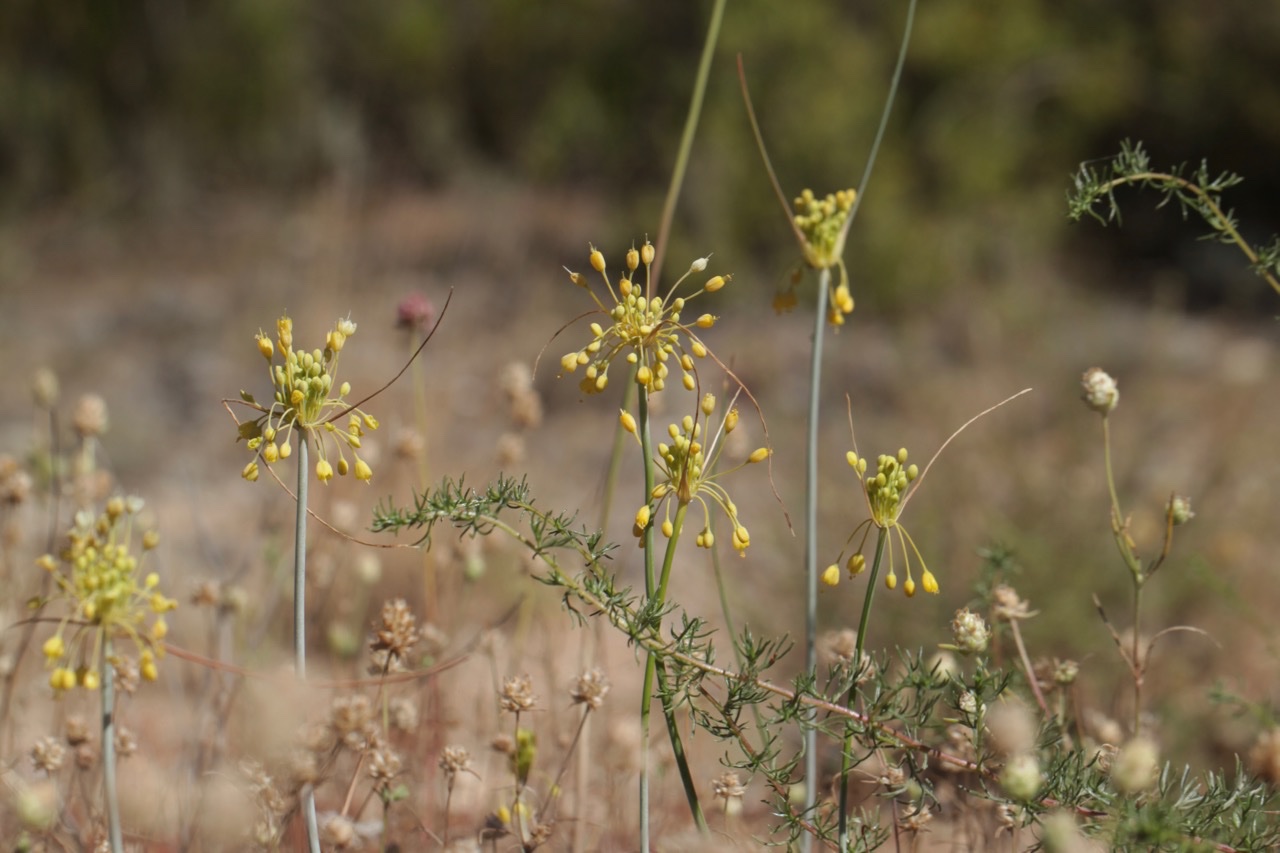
{"x": 1200, "y": 195}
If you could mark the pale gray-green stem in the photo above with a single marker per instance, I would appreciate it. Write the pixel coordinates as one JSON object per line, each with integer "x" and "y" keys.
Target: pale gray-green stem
{"x": 114, "y": 834}
{"x": 300, "y": 617}
{"x": 655, "y": 591}
{"x": 811, "y": 538}
{"x": 646, "y": 696}
{"x": 846, "y": 752}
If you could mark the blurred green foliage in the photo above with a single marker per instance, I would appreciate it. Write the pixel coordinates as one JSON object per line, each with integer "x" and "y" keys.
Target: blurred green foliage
{"x": 136, "y": 99}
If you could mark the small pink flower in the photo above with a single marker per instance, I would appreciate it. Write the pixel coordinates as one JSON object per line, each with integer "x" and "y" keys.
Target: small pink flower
{"x": 415, "y": 311}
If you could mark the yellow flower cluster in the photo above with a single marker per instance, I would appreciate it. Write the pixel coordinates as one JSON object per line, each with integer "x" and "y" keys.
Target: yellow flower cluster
{"x": 646, "y": 326}
{"x": 687, "y": 477}
{"x": 99, "y": 574}
{"x": 885, "y": 491}
{"x": 304, "y": 384}
{"x": 820, "y": 223}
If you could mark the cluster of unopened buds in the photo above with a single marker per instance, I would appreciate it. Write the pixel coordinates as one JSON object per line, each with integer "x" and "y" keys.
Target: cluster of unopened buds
{"x": 304, "y": 400}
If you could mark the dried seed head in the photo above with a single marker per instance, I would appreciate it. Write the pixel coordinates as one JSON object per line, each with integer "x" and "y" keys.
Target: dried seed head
{"x": 1179, "y": 510}
{"x": 338, "y": 831}
{"x": 76, "y": 730}
{"x": 590, "y": 689}
{"x": 1100, "y": 391}
{"x": 1021, "y": 777}
{"x": 395, "y": 633}
{"x": 970, "y": 632}
{"x": 47, "y": 755}
{"x": 1006, "y": 606}
{"x": 1013, "y": 728}
{"x": 404, "y": 714}
{"x": 90, "y": 416}
{"x": 351, "y": 721}
{"x": 455, "y": 760}
{"x": 728, "y": 785}
{"x": 1136, "y": 767}
{"x": 517, "y": 694}
{"x": 1264, "y": 756}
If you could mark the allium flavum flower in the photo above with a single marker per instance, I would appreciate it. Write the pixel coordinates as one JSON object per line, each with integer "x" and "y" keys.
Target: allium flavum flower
{"x": 820, "y": 226}
{"x": 645, "y": 325}
{"x": 304, "y": 400}
{"x": 685, "y": 475}
{"x": 886, "y": 492}
{"x": 99, "y": 575}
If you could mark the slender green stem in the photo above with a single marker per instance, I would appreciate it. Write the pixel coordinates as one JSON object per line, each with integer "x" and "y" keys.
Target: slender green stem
{"x": 1138, "y": 663}
{"x": 668, "y": 709}
{"x": 300, "y": 618}
{"x": 646, "y": 696}
{"x": 668, "y": 558}
{"x": 811, "y": 538}
{"x": 652, "y": 671}
{"x": 846, "y": 754}
{"x": 1118, "y": 528}
{"x": 1027, "y": 668}
{"x": 686, "y": 138}
{"x": 114, "y": 834}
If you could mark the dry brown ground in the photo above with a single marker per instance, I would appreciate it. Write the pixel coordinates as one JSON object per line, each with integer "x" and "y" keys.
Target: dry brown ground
{"x": 159, "y": 319}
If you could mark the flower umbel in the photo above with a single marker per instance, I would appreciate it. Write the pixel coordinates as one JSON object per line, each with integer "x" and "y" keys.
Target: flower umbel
{"x": 304, "y": 386}
{"x": 685, "y": 475}
{"x": 99, "y": 575}
{"x": 886, "y": 492}
{"x": 820, "y": 223}
{"x": 648, "y": 327}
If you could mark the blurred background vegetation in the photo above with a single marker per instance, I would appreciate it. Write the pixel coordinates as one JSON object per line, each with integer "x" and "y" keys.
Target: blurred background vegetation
{"x": 137, "y": 106}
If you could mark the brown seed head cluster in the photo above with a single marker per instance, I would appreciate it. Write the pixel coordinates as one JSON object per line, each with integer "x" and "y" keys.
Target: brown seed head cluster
{"x": 517, "y": 694}
{"x": 395, "y": 633}
{"x": 590, "y": 689}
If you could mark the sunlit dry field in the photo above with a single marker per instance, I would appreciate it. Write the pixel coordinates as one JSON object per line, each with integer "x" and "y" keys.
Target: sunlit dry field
{"x": 158, "y": 318}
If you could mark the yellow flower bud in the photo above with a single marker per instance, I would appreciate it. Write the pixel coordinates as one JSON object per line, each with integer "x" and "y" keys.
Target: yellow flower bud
{"x": 324, "y": 471}
{"x": 159, "y": 630}
{"x": 644, "y": 375}
{"x": 343, "y": 467}
{"x": 929, "y": 582}
{"x": 706, "y": 321}
{"x": 150, "y": 540}
{"x": 270, "y": 454}
{"x": 646, "y": 253}
{"x": 642, "y": 517}
{"x": 741, "y": 538}
{"x": 759, "y": 454}
{"x": 285, "y": 450}
{"x": 891, "y": 580}
{"x": 909, "y": 587}
{"x": 667, "y": 528}
{"x": 265, "y": 346}
{"x": 689, "y": 382}
{"x": 831, "y": 576}
{"x": 628, "y": 422}
{"x": 716, "y": 283}
{"x": 148, "y": 669}
{"x": 699, "y": 350}
{"x": 708, "y": 404}
{"x": 90, "y": 680}
{"x": 250, "y": 472}
{"x": 53, "y": 647}
{"x": 597, "y": 260}
{"x": 633, "y": 258}
{"x": 363, "y": 472}
{"x": 856, "y": 564}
